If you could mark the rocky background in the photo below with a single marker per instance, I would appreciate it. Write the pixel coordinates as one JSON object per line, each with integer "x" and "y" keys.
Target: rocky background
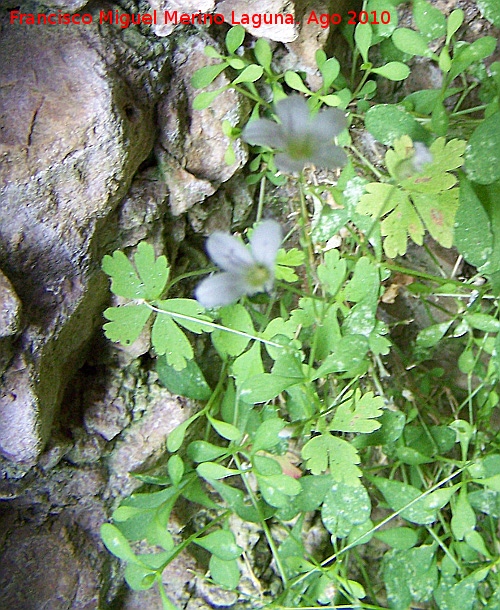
{"x": 100, "y": 149}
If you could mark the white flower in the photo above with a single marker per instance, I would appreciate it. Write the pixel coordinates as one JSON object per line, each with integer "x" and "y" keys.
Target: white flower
{"x": 422, "y": 156}
{"x": 244, "y": 271}
{"x": 302, "y": 138}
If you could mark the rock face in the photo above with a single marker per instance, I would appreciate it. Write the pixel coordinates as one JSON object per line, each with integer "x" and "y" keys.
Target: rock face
{"x": 71, "y": 136}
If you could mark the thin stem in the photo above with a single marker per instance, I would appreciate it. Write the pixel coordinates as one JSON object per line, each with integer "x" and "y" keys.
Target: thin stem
{"x": 212, "y": 325}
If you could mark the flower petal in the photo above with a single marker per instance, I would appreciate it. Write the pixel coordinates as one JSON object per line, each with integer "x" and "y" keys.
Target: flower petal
{"x": 220, "y": 289}
{"x": 227, "y": 252}
{"x": 329, "y": 156}
{"x": 288, "y": 165}
{"x": 422, "y": 156}
{"x": 265, "y": 241}
{"x": 264, "y": 132}
{"x": 294, "y": 114}
{"x": 327, "y": 124}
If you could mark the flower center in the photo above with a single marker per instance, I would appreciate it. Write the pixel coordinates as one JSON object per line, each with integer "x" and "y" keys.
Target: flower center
{"x": 257, "y": 276}
{"x": 300, "y": 148}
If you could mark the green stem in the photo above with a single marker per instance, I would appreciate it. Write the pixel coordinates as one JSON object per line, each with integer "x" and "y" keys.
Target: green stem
{"x": 212, "y": 325}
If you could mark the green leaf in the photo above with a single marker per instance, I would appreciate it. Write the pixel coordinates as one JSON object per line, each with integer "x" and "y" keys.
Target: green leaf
{"x": 432, "y": 335}
{"x": 383, "y": 30}
{"x": 330, "y": 69}
{"x": 248, "y": 364}
{"x": 393, "y": 423}
{"x": 440, "y": 119}
{"x": 175, "y": 469}
{"x": 211, "y": 470}
{"x": 265, "y": 387}
{"x": 363, "y": 38}
{"x": 169, "y": 340}
{"x": 126, "y": 322}
{"x": 203, "y": 451}
{"x": 139, "y": 578}
{"x": 476, "y": 51}
{"x": 387, "y": 123}
{"x": 423, "y": 102}
{"x": 188, "y": 382}
{"x": 430, "y": 20}
{"x": 235, "y": 317}
{"x": 356, "y": 413}
{"x": 349, "y": 354}
{"x": 221, "y": 543}
{"x": 401, "y": 218}
{"x": 463, "y": 520}
{"x": 424, "y": 509}
{"x": 286, "y": 259}
{"x": 400, "y": 538}
{"x": 265, "y": 465}
{"x": 482, "y": 156}
{"x": 206, "y": 75}
{"x": 394, "y": 70}
{"x": 364, "y": 283}
{"x": 227, "y": 431}
{"x": 326, "y": 451}
{"x": 406, "y": 206}
{"x": 344, "y": 507}
{"x": 263, "y": 53}
{"x": 224, "y": 573}
{"x": 410, "y": 575}
{"x": 236, "y": 500}
{"x": 203, "y": 100}
{"x": 267, "y": 434}
{"x": 314, "y": 490}
{"x": 176, "y": 437}
{"x": 484, "y": 322}
{"x": 411, "y": 42}
{"x": 293, "y": 80}
{"x": 117, "y": 544}
{"x": 146, "y": 281}
{"x": 455, "y": 20}
{"x": 471, "y": 221}
{"x": 184, "y": 310}
{"x": 490, "y": 10}
{"x": 249, "y": 75}
{"x": 234, "y": 38}
{"x": 332, "y": 272}
{"x": 451, "y": 595}
{"x": 278, "y": 489}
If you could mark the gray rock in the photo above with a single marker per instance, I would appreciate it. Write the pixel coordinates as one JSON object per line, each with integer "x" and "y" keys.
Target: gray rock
{"x": 66, "y": 5}
{"x": 10, "y": 308}
{"x": 142, "y": 444}
{"x": 281, "y": 32}
{"x": 72, "y": 135}
{"x": 179, "y": 6}
{"x": 67, "y": 581}
{"x": 10, "y": 320}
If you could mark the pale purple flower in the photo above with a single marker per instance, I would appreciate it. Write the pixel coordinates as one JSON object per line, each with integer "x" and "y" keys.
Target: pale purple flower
{"x": 422, "y": 156}
{"x": 303, "y": 139}
{"x": 245, "y": 271}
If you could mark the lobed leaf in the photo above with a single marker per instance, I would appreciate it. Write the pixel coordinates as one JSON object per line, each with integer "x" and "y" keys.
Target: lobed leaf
{"x": 126, "y": 322}
{"x": 356, "y": 413}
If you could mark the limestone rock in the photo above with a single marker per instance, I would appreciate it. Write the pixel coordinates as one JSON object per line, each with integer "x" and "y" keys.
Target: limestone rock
{"x": 72, "y": 135}
{"x": 280, "y": 32}
{"x": 67, "y": 579}
{"x": 66, "y": 5}
{"x": 10, "y": 320}
{"x": 181, "y": 6}
{"x": 10, "y": 308}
